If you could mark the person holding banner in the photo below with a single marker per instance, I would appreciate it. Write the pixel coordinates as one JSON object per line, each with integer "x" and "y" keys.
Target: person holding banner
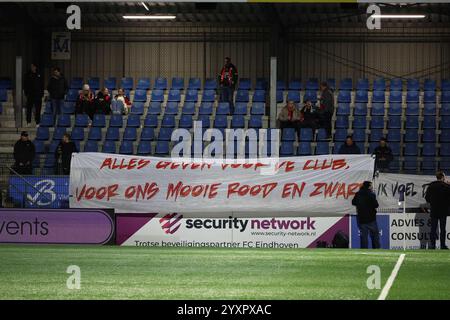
{"x": 438, "y": 196}
{"x": 366, "y": 205}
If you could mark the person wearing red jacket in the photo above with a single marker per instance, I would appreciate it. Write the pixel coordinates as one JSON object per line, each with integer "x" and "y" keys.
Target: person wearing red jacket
{"x": 228, "y": 78}
{"x": 85, "y": 102}
{"x": 103, "y": 102}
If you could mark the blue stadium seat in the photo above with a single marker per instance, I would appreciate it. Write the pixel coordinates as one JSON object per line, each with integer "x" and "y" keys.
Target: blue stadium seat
{"x": 151, "y": 121}
{"x": 147, "y": 134}
{"x": 157, "y": 95}
{"x": 134, "y": 120}
{"x": 331, "y": 82}
{"x": 72, "y": 95}
{"x": 359, "y": 135}
{"x": 413, "y": 85}
{"x": 379, "y": 84}
{"x": 255, "y": 121}
{"x": 191, "y": 95}
{"x": 206, "y": 108}
{"x": 261, "y": 84}
{"x": 160, "y": 83}
{"x": 39, "y": 146}
{"x": 137, "y": 108}
{"x": 339, "y": 135}
{"x": 185, "y": 121}
{"x": 429, "y": 165}
{"x": 204, "y": 119}
{"x": 288, "y": 134}
{"x": 94, "y": 83}
{"x": 428, "y": 150}
{"x": 68, "y": 108}
{"x": 345, "y": 96}
{"x": 210, "y": 84}
{"x": 360, "y": 109}
{"x": 188, "y": 108}
{"x": 394, "y": 122}
{"x": 140, "y": 96}
{"x": 295, "y": 84}
{"x": 412, "y": 122}
{"x": 168, "y": 121}
{"x": 81, "y": 120}
{"x": 130, "y": 133}
{"x": 412, "y": 96}
{"x": 379, "y": 97}
{"x": 208, "y": 96}
{"x": 127, "y": 83}
{"x": 109, "y": 147}
{"x": 223, "y": 108}
{"x": 394, "y": 135}
{"x": 162, "y": 147}
{"x": 377, "y": 122}
{"x": 143, "y": 84}
{"x": 242, "y": 96}
{"x": 359, "y": 122}
{"x": 429, "y": 135}
{"x": 312, "y": 84}
{"x": 77, "y": 134}
{"x": 362, "y": 96}
{"x": 362, "y": 84}
{"x": 42, "y": 133}
{"x": 445, "y": 109}
{"x": 281, "y": 85}
{"x": 410, "y": 164}
{"x": 395, "y": 109}
{"x": 48, "y": 107}
{"x": 110, "y": 83}
{"x": 245, "y": 84}
{"x": 76, "y": 83}
{"x": 112, "y": 133}
{"x": 165, "y": 134}
{"x": 445, "y": 96}
{"x": 322, "y": 134}
{"x": 395, "y": 147}
{"x": 445, "y": 85}
{"x": 59, "y": 133}
{"x": 429, "y": 97}
{"x": 396, "y": 84}
{"x": 346, "y": 84}
{"x": 395, "y": 96}
{"x": 126, "y": 147}
{"x": 377, "y": 109}
{"x": 304, "y": 149}
{"x": 174, "y": 95}
{"x": 49, "y": 161}
{"x": 47, "y": 120}
{"x": 429, "y": 122}
{"x": 280, "y": 96}
{"x": 341, "y": 122}
{"x": 91, "y": 146}
{"x": 53, "y": 145}
{"x": 306, "y": 134}
{"x": 293, "y": 96}
{"x": 376, "y": 135}
{"x": 412, "y": 109}
{"x": 259, "y": 96}
{"x": 429, "y": 109}
{"x": 322, "y": 148}
{"x": 194, "y": 84}
{"x": 99, "y": 120}
{"x": 64, "y": 120}
{"x": 154, "y": 108}
{"x": 238, "y": 121}
{"x": 429, "y": 85}
{"x": 144, "y": 148}
{"x": 311, "y": 96}
{"x": 410, "y": 149}
{"x": 411, "y": 136}
{"x": 444, "y": 136}
{"x": 258, "y": 108}
{"x": 286, "y": 149}
{"x": 240, "y": 108}
{"x": 343, "y": 109}
{"x": 171, "y": 108}
{"x": 116, "y": 120}
{"x": 177, "y": 83}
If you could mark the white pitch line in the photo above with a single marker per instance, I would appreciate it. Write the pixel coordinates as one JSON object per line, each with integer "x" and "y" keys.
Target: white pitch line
{"x": 391, "y": 279}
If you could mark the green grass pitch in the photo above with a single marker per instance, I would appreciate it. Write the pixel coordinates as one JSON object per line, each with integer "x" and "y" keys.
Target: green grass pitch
{"x": 110, "y": 272}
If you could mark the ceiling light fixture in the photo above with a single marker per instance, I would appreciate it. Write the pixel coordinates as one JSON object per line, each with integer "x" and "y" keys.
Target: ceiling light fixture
{"x": 145, "y": 6}
{"x": 150, "y": 17}
{"x": 398, "y": 16}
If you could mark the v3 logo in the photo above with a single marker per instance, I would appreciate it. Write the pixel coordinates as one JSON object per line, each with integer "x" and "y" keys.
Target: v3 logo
{"x": 171, "y": 222}
{"x": 45, "y": 194}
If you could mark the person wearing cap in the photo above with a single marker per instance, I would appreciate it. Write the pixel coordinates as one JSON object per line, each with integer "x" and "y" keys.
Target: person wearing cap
{"x": 63, "y": 154}
{"x": 228, "y": 78}
{"x": 85, "y": 102}
{"x": 24, "y": 153}
{"x": 349, "y": 147}
{"x": 57, "y": 88}
{"x": 33, "y": 87}
{"x": 383, "y": 155}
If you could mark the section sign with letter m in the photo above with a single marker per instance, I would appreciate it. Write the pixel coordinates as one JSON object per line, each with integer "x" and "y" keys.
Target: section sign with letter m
{"x": 60, "y": 46}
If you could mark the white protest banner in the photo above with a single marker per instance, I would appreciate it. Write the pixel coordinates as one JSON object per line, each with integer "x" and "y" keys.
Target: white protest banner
{"x": 388, "y": 187}
{"x": 316, "y": 185}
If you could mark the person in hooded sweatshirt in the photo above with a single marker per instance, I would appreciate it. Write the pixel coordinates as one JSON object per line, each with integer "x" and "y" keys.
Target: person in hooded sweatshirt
{"x": 366, "y": 205}
{"x": 438, "y": 196}
{"x": 24, "y": 152}
{"x": 57, "y": 88}
{"x": 349, "y": 147}
{"x": 63, "y": 154}
{"x": 33, "y": 87}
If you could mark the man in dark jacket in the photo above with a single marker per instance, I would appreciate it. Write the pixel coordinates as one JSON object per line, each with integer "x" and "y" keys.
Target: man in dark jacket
{"x": 366, "y": 204}
{"x": 438, "y": 196}
{"x": 24, "y": 153}
{"x": 309, "y": 118}
{"x": 349, "y": 147}
{"x": 326, "y": 109}
{"x": 34, "y": 91}
{"x": 228, "y": 78}
{"x": 383, "y": 155}
{"x": 63, "y": 154}
{"x": 57, "y": 88}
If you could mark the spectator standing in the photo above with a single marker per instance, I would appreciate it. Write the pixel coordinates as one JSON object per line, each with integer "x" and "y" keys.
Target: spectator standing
{"x": 24, "y": 153}
{"x": 103, "y": 102}
{"x": 85, "y": 102}
{"x": 63, "y": 154}
{"x": 366, "y": 206}
{"x": 289, "y": 116}
{"x": 228, "y": 78}
{"x": 57, "y": 88}
{"x": 383, "y": 155}
{"x": 349, "y": 147}
{"x": 326, "y": 109}
{"x": 438, "y": 196}
{"x": 34, "y": 91}
{"x": 308, "y": 116}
